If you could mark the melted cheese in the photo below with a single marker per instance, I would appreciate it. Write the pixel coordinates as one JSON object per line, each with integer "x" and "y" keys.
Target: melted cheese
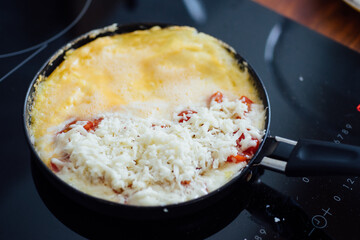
{"x": 158, "y": 162}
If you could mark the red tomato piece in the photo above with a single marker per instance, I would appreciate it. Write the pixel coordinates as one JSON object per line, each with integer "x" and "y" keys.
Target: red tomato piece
{"x": 185, "y": 182}
{"x": 252, "y": 150}
{"x": 217, "y": 97}
{"x": 236, "y": 159}
{"x": 247, "y": 101}
{"x": 239, "y": 140}
{"x": 67, "y": 127}
{"x": 88, "y": 126}
{"x": 54, "y": 167}
{"x": 185, "y": 115}
{"x": 92, "y": 125}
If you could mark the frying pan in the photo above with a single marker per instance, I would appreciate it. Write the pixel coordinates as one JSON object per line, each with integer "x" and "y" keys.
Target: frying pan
{"x": 294, "y": 158}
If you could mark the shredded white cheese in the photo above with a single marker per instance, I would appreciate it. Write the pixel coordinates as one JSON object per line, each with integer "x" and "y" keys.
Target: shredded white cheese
{"x": 158, "y": 162}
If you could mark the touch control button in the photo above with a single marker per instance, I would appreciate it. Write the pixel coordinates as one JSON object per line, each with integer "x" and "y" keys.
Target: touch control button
{"x": 319, "y": 221}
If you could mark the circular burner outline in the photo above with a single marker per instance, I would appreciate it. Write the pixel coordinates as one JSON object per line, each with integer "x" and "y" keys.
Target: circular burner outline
{"x": 274, "y": 38}
{"x": 44, "y": 43}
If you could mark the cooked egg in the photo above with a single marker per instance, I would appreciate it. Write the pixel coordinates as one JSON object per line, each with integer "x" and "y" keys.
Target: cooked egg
{"x": 147, "y": 75}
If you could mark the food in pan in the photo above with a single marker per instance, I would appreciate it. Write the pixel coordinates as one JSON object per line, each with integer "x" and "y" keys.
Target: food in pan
{"x": 151, "y": 117}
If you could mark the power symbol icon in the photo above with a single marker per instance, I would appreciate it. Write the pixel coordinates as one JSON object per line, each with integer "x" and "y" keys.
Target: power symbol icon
{"x": 319, "y": 221}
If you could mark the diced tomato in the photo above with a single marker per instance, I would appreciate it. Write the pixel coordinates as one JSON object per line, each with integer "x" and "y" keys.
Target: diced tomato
{"x": 185, "y": 115}
{"x": 239, "y": 140}
{"x": 217, "y": 97}
{"x": 236, "y": 159}
{"x": 54, "y": 167}
{"x": 185, "y": 182}
{"x": 252, "y": 150}
{"x": 67, "y": 127}
{"x": 247, "y": 101}
{"x": 88, "y": 126}
{"x": 92, "y": 125}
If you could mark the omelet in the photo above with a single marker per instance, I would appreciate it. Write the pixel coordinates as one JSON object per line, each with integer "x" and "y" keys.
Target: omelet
{"x": 145, "y": 74}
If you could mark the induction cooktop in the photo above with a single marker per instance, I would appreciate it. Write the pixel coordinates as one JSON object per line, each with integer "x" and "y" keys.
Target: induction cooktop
{"x": 313, "y": 85}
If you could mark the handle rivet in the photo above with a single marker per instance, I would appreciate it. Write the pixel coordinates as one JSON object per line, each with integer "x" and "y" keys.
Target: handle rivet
{"x": 249, "y": 176}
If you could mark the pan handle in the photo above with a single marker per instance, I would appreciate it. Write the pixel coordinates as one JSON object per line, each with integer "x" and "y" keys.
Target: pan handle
{"x": 311, "y": 157}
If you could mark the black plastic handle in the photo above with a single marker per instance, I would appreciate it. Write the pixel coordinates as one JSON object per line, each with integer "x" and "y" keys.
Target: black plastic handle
{"x": 311, "y": 157}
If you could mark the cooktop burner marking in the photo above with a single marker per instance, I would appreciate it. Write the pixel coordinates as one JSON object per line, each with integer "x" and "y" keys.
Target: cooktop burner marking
{"x": 344, "y": 132}
{"x": 358, "y": 107}
{"x": 319, "y": 221}
{"x": 76, "y": 20}
{"x": 23, "y": 62}
{"x": 41, "y": 46}
{"x": 337, "y": 198}
{"x": 196, "y": 10}
{"x": 350, "y": 182}
{"x": 305, "y": 179}
{"x": 272, "y": 41}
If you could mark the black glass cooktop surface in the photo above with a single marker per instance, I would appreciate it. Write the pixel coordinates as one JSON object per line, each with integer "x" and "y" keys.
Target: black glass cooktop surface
{"x": 313, "y": 84}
